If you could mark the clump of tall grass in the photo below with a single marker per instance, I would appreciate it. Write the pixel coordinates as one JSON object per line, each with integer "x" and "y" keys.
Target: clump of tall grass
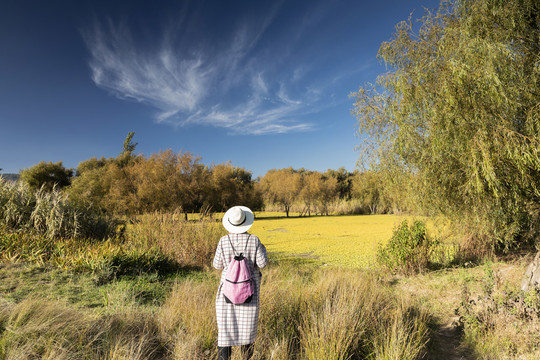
{"x": 305, "y": 314}
{"x": 353, "y": 316}
{"x": 187, "y": 319}
{"x": 106, "y": 259}
{"x": 190, "y": 243}
{"x": 333, "y": 327}
{"x": 40, "y": 329}
{"x": 313, "y": 314}
{"x": 51, "y": 214}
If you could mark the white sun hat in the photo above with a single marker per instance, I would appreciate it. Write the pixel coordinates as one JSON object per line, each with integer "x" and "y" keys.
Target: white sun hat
{"x": 238, "y": 219}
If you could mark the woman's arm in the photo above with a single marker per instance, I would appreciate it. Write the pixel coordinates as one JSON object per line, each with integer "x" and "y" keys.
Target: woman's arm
{"x": 261, "y": 258}
{"x": 218, "y": 258}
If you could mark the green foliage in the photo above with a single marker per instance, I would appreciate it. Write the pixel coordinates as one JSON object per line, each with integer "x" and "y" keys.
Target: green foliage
{"x": 126, "y": 156}
{"x": 409, "y": 250}
{"x": 459, "y": 109}
{"x": 369, "y": 188}
{"x": 91, "y": 164}
{"x": 228, "y": 186}
{"x": 47, "y": 175}
{"x": 344, "y": 181}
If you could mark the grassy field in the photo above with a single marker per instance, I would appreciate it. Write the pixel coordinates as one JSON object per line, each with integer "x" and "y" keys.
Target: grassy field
{"x": 151, "y": 293}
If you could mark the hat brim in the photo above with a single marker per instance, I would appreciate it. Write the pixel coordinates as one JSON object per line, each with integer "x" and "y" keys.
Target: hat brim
{"x": 233, "y": 229}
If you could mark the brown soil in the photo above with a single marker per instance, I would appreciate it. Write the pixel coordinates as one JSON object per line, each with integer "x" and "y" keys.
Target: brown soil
{"x": 446, "y": 344}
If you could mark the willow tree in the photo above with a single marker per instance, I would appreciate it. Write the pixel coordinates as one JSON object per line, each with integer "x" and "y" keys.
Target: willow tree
{"x": 459, "y": 109}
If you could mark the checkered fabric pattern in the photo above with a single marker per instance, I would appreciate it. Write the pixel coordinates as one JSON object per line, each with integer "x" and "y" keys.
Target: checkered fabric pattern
{"x": 237, "y": 324}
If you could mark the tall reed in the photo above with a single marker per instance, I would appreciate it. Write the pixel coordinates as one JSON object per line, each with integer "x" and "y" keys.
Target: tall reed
{"x": 51, "y": 214}
{"x": 190, "y": 243}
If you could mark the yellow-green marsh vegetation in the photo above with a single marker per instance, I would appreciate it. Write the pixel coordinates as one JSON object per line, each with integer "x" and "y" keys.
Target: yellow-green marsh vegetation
{"x": 348, "y": 241}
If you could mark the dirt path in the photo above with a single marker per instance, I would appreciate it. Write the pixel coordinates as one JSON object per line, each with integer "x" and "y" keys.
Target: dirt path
{"x": 446, "y": 344}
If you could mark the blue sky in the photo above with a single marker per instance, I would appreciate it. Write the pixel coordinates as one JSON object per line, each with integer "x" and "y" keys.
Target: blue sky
{"x": 263, "y": 84}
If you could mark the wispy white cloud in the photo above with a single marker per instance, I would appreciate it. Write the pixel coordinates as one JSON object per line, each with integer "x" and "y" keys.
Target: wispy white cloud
{"x": 231, "y": 85}
{"x": 261, "y": 114}
{"x": 284, "y": 97}
{"x": 160, "y": 78}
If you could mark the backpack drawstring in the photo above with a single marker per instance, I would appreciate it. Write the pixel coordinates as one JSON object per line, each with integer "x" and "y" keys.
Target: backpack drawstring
{"x": 241, "y": 256}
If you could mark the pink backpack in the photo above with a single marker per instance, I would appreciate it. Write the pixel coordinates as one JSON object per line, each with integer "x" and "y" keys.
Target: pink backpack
{"x": 238, "y": 286}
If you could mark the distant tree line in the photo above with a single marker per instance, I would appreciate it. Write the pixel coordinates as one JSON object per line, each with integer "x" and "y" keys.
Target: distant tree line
{"x": 168, "y": 181}
{"x": 315, "y": 192}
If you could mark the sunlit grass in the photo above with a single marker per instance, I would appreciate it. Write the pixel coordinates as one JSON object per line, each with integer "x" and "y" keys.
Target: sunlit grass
{"x": 110, "y": 299}
{"x": 349, "y": 241}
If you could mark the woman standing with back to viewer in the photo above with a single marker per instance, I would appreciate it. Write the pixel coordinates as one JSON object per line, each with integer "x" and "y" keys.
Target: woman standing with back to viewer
{"x": 237, "y": 323}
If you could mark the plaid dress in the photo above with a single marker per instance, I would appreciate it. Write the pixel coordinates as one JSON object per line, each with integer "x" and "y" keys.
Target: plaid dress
{"x": 237, "y": 324}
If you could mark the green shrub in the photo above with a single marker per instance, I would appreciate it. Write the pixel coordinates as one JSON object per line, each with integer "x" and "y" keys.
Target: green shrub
{"x": 409, "y": 250}
{"x": 47, "y": 176}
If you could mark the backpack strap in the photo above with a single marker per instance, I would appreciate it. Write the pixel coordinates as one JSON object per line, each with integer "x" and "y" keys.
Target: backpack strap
{"x": 247, "y": 240}
{"x": 245, "y": 248}
{"x": 230, "y": 242}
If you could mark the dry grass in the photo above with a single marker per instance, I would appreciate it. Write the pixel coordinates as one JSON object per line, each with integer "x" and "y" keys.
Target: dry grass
{"x": 190, "y": 243}
{"x": 188, "y": 319}
{"x": 498, "y": 319}
{"x": 331, "y": 314}
{"x": 305, "y": 314}
{"x": 38, "y": 329}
